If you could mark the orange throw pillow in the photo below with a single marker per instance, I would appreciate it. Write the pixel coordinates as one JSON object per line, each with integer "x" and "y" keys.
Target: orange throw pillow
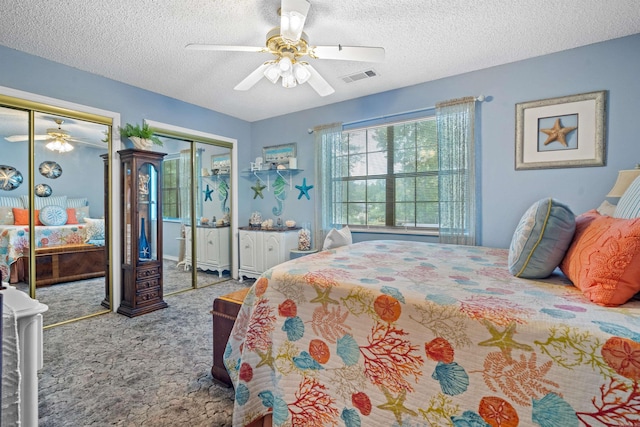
{"x": 71, "y": 216}
{"x": 21, "y": 216}
{"x": 603, "y": 260}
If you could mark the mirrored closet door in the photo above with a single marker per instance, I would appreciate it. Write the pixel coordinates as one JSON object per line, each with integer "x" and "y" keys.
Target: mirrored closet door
{"x": 196, "y": 213}
{"x": 56, "y": 247}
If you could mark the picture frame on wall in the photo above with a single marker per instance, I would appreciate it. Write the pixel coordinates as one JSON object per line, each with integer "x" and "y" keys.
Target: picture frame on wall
{"x": 561, "y": 132}
{"x": 279, "y": 154}
{"x": 220, "y": 164}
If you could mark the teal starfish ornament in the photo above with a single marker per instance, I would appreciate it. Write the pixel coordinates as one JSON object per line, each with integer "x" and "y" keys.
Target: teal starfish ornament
{"x": 304, "y": 189}
{"x": 207, "y": 193}
{"x": 257, "y": 190}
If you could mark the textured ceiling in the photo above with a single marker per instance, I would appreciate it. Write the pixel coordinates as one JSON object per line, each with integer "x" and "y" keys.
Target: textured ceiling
{"x": 142, "y": 42}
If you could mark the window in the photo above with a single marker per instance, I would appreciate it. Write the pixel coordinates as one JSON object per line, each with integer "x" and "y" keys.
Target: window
{"x": 387, "y": 177}
{"x": 170, "y": 188}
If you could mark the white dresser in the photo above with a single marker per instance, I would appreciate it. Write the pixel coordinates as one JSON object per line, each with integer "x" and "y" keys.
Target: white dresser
{"x": 213, "y": 250}
{"x": 260, "y": 250}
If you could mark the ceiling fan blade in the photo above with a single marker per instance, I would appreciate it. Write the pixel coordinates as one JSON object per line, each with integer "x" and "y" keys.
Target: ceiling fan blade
{"x": 228, "y": 48}
{"x": 252, "y": 78}
{"x": 19, "y": 138}
{"x": 318, "y": 83}
{"x": 293, "y": 14}
{"x": 348, "y": 53}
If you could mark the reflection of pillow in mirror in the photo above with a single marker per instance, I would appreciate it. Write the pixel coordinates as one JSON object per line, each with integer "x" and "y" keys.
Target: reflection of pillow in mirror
{"x": 77, "y": 202}
{"x": 82, "y": 213}
{"x": 94, "y": 230}
{"x": 11, "y": 202}
{"x": 6, "y": 215}
{"x": 71, "y": 216}
{"x": 21, "y": 216}
{"x": 53, "y": 215}
{"x": 41, "y": 202}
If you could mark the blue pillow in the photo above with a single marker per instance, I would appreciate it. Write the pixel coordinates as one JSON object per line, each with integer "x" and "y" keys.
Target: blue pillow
{"x": 53, "y": 215}
{"x": 541, "y": 239}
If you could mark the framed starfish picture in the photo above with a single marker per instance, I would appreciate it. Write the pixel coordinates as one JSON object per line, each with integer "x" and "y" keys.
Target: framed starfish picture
{"x": 561, "y": 132}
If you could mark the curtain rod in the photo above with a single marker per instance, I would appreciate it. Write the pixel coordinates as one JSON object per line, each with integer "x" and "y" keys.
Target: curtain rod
{"x": 479, "y": 98}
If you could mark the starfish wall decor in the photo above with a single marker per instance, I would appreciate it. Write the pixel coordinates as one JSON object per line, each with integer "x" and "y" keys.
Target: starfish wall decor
{"x": 257, "y": 189}
{"x": 207, "y": 193}
{"x": 558, "y": 133}
{"x": 304, "y": 189}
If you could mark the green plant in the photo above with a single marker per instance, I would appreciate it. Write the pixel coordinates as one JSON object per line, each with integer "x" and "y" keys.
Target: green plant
{"x": 140, "y": 131}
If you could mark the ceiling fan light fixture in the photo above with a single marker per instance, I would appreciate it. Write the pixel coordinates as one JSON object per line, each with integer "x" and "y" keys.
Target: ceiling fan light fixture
{"x": 59, "y": 145}
{"x": 293, "y": 14}
{"x": 285, "y": 64}
{"x": 301, "y": 73}
{"x": 288, "y": 80}
{"x": 272, "y": 73}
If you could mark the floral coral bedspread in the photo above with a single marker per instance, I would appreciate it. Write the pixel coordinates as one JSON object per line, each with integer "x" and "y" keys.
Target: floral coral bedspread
{"x": 14, "y": 241}
{"x": 390, "y": 333}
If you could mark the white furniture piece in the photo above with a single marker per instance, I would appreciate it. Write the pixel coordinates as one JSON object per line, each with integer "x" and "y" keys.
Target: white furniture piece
{"x": 262, "y": 249}
{"x": 213, "y": 251}
{"x": 27, "y": 313}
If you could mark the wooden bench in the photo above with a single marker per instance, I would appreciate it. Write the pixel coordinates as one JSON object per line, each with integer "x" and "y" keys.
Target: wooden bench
{"x": 68, "y": 263}
{"x": 225, "y": 310}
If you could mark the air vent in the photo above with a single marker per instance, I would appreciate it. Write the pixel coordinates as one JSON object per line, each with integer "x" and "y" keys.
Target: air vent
{"x": 359, "y": 76}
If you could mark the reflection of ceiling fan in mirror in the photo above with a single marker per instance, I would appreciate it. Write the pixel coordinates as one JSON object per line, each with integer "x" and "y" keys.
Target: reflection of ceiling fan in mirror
{"x": 58, "y": 138}
{"x": 289, "y": 45}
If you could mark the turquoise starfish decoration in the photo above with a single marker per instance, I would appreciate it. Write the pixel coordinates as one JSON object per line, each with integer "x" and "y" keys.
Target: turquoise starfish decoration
{"x": 207, "y": 193}
{"x": 257, "y": 190}
{"x": 304, "y": 189}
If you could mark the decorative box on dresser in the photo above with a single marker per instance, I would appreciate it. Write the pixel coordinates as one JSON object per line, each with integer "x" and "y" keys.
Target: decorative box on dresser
{"x": 262, "y": 249}
{"x": 141, "y": 232}
{"x": 212, "y": 248}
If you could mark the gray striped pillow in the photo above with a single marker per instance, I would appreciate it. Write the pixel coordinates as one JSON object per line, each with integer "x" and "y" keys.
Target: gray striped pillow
{"x": 41, "y": 202}
{"x": 629, "y": 204}
{"x": 77, "y": 202}
{"x": 11, "y": 202}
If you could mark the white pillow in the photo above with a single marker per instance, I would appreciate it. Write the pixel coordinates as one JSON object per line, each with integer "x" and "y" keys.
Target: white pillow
{"x": 606, "y": 208}
{"x": 337, "y": 238}
{"x": 94, "y": 230}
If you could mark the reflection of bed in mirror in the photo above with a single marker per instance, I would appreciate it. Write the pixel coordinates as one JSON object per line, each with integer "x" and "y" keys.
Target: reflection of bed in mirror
{"x": 73, "y": 250}
{"x": 212, "y": 249}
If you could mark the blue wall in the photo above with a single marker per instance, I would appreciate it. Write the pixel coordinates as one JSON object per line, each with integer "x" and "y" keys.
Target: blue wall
{"x": 504, "y": 194}
{"x": 36, "y": 75}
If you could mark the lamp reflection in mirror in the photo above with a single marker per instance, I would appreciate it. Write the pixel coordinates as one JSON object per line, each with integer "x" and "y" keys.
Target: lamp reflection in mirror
{"x": 59, "y": 145}
{"x": 624, "y": 180}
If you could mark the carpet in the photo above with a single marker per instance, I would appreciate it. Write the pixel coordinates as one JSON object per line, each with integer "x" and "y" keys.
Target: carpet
{"x": 151, "y": 370}
{"x": 72, "y": 300}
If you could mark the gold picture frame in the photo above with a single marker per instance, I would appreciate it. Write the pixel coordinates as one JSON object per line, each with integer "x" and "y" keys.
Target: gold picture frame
{"x": 562, "y": 132}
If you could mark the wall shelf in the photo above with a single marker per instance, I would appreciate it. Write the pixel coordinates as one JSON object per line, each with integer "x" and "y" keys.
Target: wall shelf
{"x": 264, "y": 176}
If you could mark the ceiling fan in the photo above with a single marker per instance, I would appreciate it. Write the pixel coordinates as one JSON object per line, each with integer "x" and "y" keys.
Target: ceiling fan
{"x": 289, "y": 44}
{"x": 58, "y": 138}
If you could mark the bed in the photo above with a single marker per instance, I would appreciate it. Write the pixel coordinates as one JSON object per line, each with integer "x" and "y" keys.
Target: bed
{"x": 390, "y": 333}
{"x": 69, "y": 244}
{"x": 62, "y": 254}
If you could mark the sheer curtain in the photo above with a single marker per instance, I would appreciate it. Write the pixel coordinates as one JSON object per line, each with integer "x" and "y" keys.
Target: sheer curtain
{"x": 327, "y": 141}
{"x": 456, "y": 180}
{"x": 184, "y": 180}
